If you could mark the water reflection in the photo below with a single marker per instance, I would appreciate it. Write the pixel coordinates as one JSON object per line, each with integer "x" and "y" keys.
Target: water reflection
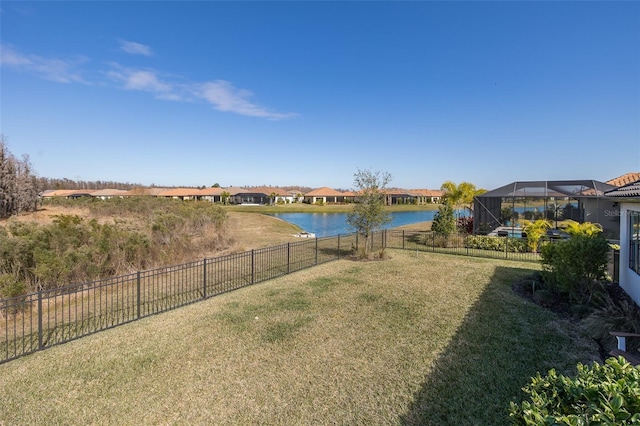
{"x": 328, "y": 224}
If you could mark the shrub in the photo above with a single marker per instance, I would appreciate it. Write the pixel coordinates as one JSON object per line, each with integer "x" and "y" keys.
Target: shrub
{"x": 465, "y": 224}
{"x": 586, "y": 229}
{"x": 444, "y": 222}
{"x": 484, "y": 242}
{"x": 607, "y": 394}
{"x": 617, "y": 313}
{"x": 535, "y": 231}
{"x": 576, "y": 266}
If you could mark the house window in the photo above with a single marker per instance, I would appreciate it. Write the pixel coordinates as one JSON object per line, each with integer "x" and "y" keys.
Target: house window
{"x": 634, "y": 241}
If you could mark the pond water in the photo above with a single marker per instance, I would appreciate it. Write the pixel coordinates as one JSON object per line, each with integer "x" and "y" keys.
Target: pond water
{"x": 329, "y": 224}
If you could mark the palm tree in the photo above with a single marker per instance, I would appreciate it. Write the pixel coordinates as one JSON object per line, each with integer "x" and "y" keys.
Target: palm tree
{"x": 225, "y": 197}
{"x": 461, "y": 195}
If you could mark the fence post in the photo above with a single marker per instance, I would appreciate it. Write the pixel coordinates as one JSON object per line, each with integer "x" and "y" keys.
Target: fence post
{"x": 316, "y": 251}
{"x": 338, "y": 246}
{"x": 204, "y": 278}
{"x": 138, "y": 293}
{"x": 40, "y": 345}
{"x": 433, "y": 242}
{"x": 466, "y": 244}
{"x": 506, "y": 245}
{"x": 253, "y": 267}
{"x": 288, "y": 258}
{"x": 403, "y": 239}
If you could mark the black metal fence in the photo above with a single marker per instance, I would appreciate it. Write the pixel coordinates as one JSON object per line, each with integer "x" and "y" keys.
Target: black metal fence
{"x": 49, "y": 317}
{"x": 508, "y": 248}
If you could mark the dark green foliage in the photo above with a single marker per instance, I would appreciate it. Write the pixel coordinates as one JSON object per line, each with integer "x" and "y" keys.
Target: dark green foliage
{"x": 576, "y": 266}
{"x": 444, "y": 221}
{"x": 68, "y": 250}
{"x": 606, "y": 394}
{"x": 10, "y": 287}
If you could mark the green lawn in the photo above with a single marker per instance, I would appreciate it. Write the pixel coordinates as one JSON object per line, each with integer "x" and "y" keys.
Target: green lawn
{"x": 418, "y": 339}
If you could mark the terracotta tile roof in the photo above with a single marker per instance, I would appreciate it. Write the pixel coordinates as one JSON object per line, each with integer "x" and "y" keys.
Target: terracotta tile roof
{"x": 630, "y": 190}
{"x": 625, "y": 179}
{"x": 109, "y": 193}
{"x": 211, "y": 191}
{"x": 145, "y": 191}
{"x": 426, "y": 192}
{"x": 268, "y": 190}
{"x": 234, "y": 190}
{"x": 397, "y": 191}
{"x": 67, "y": 192}
{"x": 324, "y": 192}
{"x": 180, "y": 192}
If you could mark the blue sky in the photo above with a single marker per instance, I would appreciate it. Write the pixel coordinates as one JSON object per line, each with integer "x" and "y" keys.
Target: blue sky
{"x": 307, "y": 93}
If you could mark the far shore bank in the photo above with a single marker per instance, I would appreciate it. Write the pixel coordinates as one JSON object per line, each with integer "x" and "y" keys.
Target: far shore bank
{"x": 328, "y": 208}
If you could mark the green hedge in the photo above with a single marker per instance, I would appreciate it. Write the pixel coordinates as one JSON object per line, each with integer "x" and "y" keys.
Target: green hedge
{"x": 607, "y": 394}
{"x": 484, "y": 242}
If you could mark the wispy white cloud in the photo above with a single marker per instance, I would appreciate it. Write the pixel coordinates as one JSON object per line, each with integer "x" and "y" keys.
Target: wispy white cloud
{"x": 143, "y": 80}
{"x": 135, "y": 48}
{"x": 225, "y": 97}
{"x": 58, "y": 70}
{"x": 221, "y": 94}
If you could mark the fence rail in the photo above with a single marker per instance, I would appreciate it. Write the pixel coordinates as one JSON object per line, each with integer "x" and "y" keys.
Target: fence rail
{"x": 508, "y": 248}
{"x": 37, "y": 321}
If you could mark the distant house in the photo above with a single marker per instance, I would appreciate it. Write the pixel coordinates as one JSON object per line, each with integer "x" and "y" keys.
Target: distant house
{"x": 184, "y": 194}
{"x": 105, "y": 194}
{"x": 245, "y": 196}
{"x": 423, "y": 196}
{"x": 271, "y": 195}
{"x": 142, "y": 191}
{"x": 67, "y": 193}
{"x": 295, "y": 196}
{"x": 324, "y": 195}
{"x": 628, "y": 197}
{"x": 213, "y": 195}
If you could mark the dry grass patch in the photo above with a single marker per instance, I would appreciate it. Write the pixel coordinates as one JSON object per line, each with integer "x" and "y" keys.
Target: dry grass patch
{"x": 341, "y": 343}
{"x": 253, "y": 230}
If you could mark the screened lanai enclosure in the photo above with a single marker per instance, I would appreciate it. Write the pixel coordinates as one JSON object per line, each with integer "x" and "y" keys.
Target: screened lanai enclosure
{"x": 578, "y": 200}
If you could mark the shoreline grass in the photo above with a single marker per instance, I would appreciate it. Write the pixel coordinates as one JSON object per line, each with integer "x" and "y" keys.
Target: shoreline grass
{"x": 417, "y": 339}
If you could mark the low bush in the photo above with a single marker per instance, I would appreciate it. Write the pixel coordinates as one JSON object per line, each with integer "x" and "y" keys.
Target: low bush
{"x": 576, "y": 266}
{"x": 535, "y": 232}
{"x": 485, "y": 242}
{"x": 607, "y": 394}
